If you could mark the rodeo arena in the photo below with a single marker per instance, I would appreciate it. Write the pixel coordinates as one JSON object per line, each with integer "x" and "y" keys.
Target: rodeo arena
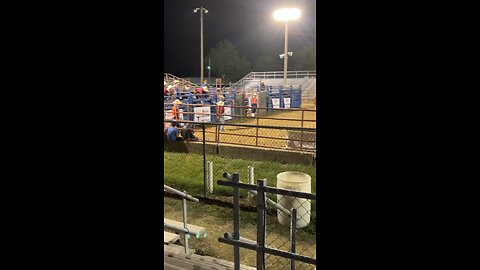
{"x": 240, "y": 172}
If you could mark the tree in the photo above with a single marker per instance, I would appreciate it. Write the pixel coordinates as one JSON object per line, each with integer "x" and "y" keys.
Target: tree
{"x": 306, "y": 58}
{"x": 268, "y": 63}
{"x": 227, "y": 62}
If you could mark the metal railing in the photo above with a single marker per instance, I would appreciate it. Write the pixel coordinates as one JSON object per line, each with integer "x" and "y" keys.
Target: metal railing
{"x": 184, "y": 230}
{"x": 259, "y": 246}
{"x": 170, "y": 77}
{"x": 272, "y": 75}
{"x": 279, "y": 74}
{"x": 295, "y": 138}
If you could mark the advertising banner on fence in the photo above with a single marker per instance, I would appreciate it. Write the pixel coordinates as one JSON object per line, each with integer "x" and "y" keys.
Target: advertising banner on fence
{"x": 275, "y": 103}
{"x": 202, "y": 114}
{"x": 228, "y": 111}
{"x": 286, "y": 101}
{"x": 168, "y": 115}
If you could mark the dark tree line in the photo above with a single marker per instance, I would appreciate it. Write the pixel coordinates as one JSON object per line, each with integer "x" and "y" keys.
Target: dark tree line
{"x": 228, "y": 64}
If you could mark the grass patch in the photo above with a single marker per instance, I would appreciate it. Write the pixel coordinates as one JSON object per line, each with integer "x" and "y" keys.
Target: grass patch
{"x": 184, "y": 171}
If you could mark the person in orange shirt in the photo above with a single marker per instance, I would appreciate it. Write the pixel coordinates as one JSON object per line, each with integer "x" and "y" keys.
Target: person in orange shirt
{"x": 176, "y": 109}
{"x": 254, "y": 102}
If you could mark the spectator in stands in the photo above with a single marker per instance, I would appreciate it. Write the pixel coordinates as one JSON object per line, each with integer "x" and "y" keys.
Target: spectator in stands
{"x": 189, "y": 134}
{"x": 246, "y": 103}
{"x": 254, "y": 102}
{"x": 172, "y": 133}
{"x": 176, "y": 109}
{"x": 220, "y": 115}
{"x": 170, "y": 90}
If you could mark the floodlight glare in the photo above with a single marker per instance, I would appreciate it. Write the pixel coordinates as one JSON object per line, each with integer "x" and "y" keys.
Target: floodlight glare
{"x": 287, "y": 14}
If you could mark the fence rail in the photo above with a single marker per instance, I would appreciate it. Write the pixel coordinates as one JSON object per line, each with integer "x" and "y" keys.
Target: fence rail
{"x": 170, "y": 77}
{"x": 270, "y": 137}
{"x": 260, "y": 245}
{"x": 272, "y": 75}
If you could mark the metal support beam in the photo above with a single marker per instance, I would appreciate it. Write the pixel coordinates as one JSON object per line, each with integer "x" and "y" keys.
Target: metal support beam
{"x": 260, "y": 227}
{"x": 268, "y": 250}
{"x": 278, "y": 191}
{"x": 293, "y": 236}
{"x": 179, "y": 193}
{"x": 186, "y": 236}
{"x": 236, "y": 221}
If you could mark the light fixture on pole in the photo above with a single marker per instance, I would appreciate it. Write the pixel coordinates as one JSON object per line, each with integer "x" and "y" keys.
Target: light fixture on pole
{"x": 202, "y": 10}
{"x": 209, "y": 70}
{"x": 285, "y": 15}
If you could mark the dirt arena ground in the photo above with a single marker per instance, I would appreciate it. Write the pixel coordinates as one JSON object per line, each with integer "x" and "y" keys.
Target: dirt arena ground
{"x": 275, "y": 138}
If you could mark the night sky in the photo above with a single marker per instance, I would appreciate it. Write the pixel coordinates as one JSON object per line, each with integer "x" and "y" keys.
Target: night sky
{"x": 248, "y": 24}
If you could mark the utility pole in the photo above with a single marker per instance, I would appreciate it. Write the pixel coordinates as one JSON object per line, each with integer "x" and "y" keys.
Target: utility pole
{"x": 285, "y": 15}
{"x": 202, "y": 10}
{"x": 285, "y": 60}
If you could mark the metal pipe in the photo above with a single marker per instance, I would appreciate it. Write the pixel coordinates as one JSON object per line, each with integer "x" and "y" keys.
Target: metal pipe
{"x": 201, "y": 45}
{"x": 179, "y": 193}
{"x": 236, "y": 220}
{"x": 301, "y": 135}
{"x": 180, "y": 229}
{"x": 278, "y": 191}
{"x": 260, "y": 226}
{"x": 204, "y": 162}
{"x": 285, "y": 60}
{"x": 272, "y": 251}
{"x": 230, "y": 236}
{"x": 272, "y": 203}
{"x": 293, "y": 234}
{"x": 185, "y": 223}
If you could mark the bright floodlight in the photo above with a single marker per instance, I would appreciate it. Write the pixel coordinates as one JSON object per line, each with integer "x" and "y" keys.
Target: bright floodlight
{"x": 287, "y": 14}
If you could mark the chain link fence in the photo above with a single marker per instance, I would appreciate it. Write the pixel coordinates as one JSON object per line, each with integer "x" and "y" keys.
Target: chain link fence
{"x": 278, "y": 227}
{"x": 195, "y": 163}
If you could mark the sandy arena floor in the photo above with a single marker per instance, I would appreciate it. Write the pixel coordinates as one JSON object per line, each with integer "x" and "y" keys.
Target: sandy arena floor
{"x": 275, "y": 138}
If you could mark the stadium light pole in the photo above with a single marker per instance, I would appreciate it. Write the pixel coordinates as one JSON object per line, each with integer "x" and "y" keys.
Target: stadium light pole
{"x": 285, "y": 15}
{"x": 202, "y": 10}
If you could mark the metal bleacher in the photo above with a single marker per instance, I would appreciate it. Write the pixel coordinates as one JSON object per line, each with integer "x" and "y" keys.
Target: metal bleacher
{"x": 183, "y": 228}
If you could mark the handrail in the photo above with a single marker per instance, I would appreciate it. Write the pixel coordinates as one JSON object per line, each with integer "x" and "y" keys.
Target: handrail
{"x": 179, "y": 193}
{"x": 239, "y": 82}
{"x": 168, "y": 76}
{"x": 273, "y": 75}
{"x": 260, "y": 244}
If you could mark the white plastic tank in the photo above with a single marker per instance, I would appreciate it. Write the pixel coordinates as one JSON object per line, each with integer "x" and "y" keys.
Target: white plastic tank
{"x": 296, "y": 181}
